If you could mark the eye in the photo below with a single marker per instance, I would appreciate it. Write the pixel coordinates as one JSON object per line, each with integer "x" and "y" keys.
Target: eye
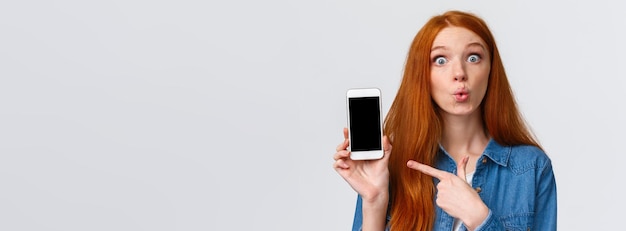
{"x": 473, "y": 58}
{"x": 440, "y": 60}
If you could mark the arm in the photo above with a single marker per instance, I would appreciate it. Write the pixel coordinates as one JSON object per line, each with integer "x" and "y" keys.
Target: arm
{"x": 545, "y": 203}
{"x": 370, "y": 179}
{"x": 373, "y": 214}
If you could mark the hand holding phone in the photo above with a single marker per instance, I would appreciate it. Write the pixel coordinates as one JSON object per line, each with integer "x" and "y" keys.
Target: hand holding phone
{"x": 369, "y": 178}
{"x": 365, "y": 123}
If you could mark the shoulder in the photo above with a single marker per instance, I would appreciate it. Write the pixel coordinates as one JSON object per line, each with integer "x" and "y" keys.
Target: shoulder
{"x": 526, "y": 153}
{"x": 526, "y": 157}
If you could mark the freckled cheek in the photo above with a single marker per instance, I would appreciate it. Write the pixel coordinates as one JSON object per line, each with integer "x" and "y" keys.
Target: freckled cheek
{"x": 481, "y": 91}
{"x": 479, "y": 76}
{"x": 437, "y": 74}
{"x": 440, "y": 72}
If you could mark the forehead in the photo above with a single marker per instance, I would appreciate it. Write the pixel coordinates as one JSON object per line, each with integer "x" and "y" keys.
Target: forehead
{"x": 453, "y": 36}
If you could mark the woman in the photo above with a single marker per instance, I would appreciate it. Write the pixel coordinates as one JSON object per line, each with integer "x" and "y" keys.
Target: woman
{"x": 462, "y": 156}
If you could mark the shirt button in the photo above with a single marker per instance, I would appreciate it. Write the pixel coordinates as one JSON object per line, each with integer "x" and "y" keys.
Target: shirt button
{"x": 478, "y": 189}
{"x": 484, "y": 160}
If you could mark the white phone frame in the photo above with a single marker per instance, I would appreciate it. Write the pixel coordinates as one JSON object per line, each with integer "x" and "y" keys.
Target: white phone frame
{"x": 359, "y": 93}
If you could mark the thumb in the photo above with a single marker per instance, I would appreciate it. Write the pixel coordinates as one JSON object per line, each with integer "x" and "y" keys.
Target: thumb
{"x": 386, "y": 147}
{"x": 460, "y": 168}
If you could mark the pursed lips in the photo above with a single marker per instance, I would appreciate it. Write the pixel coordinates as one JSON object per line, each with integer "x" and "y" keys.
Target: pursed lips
{"x": 461, "y": 95}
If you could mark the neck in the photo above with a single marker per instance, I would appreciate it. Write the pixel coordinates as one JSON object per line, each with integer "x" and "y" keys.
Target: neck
{"x": 464, "y": 135}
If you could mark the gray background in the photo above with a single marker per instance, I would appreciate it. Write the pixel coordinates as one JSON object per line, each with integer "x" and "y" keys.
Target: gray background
{"x": 195, "y": 115}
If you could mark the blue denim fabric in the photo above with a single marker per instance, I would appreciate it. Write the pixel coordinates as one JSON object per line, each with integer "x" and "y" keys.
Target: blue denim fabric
{"x": 516, "y": 183}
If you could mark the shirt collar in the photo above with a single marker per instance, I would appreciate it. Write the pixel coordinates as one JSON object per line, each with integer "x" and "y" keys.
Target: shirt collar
{"x": 497, "y": 153}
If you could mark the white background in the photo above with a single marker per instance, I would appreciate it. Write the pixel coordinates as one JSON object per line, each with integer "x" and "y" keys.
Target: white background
{"x": 196, "y": 115}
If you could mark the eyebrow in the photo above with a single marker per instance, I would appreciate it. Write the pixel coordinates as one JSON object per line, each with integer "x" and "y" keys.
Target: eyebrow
{"x": 468, "y": 45}
{"x": 477, "y": 44}
{"x": 438, "y": 48}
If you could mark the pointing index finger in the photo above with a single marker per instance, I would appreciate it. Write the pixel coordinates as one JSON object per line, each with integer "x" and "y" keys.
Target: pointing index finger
{"x": 426, "y": 169}
{"x": 460, "y": 169}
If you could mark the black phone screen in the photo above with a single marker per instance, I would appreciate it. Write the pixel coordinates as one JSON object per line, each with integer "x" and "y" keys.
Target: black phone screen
{"x": 365, "y": 123}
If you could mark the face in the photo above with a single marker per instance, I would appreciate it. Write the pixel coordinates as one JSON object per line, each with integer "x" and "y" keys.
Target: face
{"x": 460, "y": 68}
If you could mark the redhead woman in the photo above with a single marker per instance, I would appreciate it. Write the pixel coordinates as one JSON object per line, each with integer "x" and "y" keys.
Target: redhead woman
{"x": 458, "y": 154}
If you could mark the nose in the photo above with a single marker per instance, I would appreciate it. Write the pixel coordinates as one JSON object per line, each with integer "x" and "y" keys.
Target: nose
{"x": 458, "y": 71}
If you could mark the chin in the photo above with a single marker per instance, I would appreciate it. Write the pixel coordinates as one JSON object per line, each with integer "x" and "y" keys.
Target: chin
{"x": 461, "y": 112}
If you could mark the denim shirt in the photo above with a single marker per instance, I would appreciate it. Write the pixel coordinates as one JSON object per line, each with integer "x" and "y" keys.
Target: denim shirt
{"x": 515, "y": 182}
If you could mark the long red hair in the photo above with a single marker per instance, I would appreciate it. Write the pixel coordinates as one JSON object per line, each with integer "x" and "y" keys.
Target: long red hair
{"x": 414, "y": 124}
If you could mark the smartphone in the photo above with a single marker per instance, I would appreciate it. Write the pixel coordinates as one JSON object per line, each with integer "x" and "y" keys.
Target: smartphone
{"x": 365, "y": 123}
